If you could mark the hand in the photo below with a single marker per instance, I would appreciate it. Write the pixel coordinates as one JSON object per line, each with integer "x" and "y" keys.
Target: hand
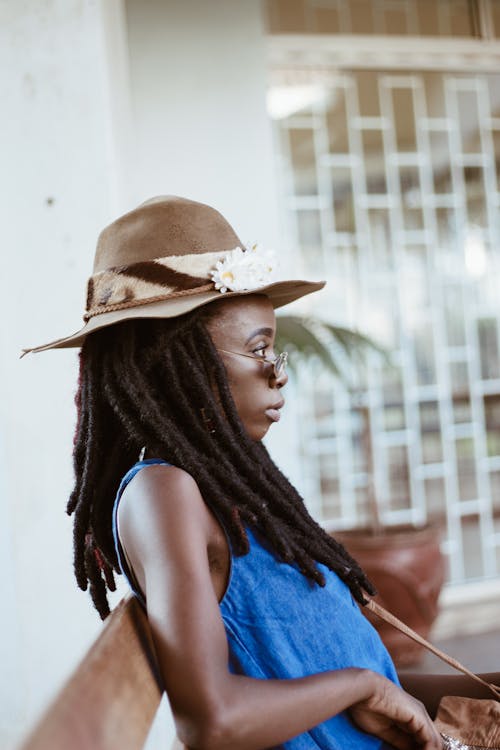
{"x": 396, "y": 717}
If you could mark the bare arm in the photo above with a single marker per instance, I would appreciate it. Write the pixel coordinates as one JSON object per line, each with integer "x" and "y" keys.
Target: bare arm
{"x": 164, "y": 527}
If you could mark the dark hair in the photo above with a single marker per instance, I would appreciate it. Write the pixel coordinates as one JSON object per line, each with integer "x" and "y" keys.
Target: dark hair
{"x": 146, "y": 382}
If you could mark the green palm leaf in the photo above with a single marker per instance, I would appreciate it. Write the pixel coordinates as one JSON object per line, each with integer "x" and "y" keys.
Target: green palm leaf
{"x": 335, "y": 347}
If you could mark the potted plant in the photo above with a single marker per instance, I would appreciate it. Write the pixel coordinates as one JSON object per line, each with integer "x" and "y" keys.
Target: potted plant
{"x": 404, "y": 562}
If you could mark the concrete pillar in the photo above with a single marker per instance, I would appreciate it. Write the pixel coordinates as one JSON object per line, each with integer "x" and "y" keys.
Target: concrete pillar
{"x": 56, "y": 185}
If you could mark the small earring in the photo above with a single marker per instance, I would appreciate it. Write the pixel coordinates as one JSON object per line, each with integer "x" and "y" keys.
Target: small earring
{"x": 142, "y": 453}
{"x": 207, "y": 421}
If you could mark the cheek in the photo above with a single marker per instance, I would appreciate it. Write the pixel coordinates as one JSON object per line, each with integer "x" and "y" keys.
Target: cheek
{"x": 243, "y": 397}
{"x": 248, "y": 396}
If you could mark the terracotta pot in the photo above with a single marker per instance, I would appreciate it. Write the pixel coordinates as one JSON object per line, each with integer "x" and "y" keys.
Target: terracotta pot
{"x": 406, "y": 566}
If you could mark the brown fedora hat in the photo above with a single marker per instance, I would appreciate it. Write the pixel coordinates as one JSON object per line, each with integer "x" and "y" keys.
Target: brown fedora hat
{"x": 167, "y": 257}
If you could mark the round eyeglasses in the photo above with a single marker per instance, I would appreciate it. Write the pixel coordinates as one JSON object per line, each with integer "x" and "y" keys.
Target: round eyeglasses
{"x": 278, "y": 363}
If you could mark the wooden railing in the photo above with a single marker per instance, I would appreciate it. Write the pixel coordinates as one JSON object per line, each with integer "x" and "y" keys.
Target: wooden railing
{"x": 111, "y": 699}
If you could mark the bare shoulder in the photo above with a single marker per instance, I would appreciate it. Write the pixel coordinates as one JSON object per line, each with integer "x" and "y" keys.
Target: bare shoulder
{"x": 162, "y": 511}
{"x": 155, "y": 483}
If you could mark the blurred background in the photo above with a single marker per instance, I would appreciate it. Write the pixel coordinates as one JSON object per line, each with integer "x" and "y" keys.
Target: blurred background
{"x": 361, "y": 139}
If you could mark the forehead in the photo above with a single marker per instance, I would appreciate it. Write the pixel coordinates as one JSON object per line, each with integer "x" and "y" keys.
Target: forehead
{"x": 238, "y": 317}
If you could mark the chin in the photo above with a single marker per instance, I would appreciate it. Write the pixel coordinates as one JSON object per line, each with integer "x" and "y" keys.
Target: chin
{"x": 257, "y": 433}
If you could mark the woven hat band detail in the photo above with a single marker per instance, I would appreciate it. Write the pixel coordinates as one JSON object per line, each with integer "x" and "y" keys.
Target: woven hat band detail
{"x": 150, "y": 281}
{"x": 139, "y": 302}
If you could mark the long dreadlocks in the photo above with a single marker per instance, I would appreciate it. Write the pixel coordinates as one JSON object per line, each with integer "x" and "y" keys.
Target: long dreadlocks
{"x": 146, "y": 382}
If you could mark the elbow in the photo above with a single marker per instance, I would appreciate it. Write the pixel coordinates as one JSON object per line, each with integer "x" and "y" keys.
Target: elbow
{"x": 214, "y": 732}
{"x": 217, "y": 736}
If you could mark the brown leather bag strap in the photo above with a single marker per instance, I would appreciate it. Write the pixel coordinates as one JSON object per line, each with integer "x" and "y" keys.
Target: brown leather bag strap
{"x": 414, "y": 587}
{"x": 385, "y": 615}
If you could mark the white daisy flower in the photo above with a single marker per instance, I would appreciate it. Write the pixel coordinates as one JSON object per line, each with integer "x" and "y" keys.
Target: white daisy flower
{"x": 244, "y": 269}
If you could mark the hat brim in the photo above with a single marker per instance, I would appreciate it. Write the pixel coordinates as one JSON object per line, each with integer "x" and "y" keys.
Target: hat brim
{"x": 280, "y": 293}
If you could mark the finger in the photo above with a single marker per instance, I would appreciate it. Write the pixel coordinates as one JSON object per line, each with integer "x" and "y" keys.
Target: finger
{"x": 424, "y": 732}
{"x": 430, "y": 737}
{"x": 435, "y": 744}
{"x": 398, "y": 738}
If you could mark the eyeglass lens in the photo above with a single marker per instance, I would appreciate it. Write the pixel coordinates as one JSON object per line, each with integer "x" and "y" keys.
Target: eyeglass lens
{"x": 280, "y": 364}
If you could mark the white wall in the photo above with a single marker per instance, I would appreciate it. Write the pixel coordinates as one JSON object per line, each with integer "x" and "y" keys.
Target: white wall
{"x": 55, "y": 187}
{"x": 198, "y": 84}
{"x": 73, "y": 158}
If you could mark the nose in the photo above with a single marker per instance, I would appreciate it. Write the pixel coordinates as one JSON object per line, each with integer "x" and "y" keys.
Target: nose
{"x": 278, "y": 381}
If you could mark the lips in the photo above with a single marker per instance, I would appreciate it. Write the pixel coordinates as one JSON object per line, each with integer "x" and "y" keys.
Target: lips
{"x": 273, "y": 413}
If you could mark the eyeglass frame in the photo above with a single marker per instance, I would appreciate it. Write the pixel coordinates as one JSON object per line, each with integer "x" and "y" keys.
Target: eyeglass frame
{"x": 279, "y": 363}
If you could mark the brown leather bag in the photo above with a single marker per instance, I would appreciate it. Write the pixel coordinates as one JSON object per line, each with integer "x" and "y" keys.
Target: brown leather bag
{"x": 464, "y": 723}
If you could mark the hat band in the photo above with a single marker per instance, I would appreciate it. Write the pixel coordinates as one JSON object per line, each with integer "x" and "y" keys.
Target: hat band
{"x": 138, "y": 302}
{"x": 121, "y": 287}
{"x": 148, "y": 281}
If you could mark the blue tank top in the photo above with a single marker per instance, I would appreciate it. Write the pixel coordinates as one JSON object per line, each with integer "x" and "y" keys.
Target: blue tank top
{"x": 280, "y": 625}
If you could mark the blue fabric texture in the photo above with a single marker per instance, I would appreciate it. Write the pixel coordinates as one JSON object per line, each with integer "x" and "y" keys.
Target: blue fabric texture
{"x": 281, "y": 625}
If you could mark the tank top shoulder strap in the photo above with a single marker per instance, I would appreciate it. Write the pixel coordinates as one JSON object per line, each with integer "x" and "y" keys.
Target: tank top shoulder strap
{"x": 121, "y": 554}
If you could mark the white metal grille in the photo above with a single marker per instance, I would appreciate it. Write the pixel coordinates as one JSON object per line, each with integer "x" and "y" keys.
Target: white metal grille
{"x": 415, "y": 17}
{"x": 392, "y": 184}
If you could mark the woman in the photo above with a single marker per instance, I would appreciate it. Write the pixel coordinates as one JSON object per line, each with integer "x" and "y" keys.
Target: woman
{"x": 251, "y": 604}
